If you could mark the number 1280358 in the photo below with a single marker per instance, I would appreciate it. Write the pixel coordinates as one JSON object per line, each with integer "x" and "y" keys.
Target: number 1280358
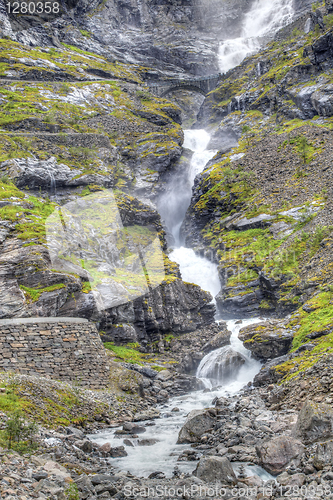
{"x": 31, "y": 8}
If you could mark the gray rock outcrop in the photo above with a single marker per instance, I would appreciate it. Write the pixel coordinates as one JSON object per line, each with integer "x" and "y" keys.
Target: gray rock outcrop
{"x": 277, "y": 453}
{"x": 314, "y": 423}
{"x": 267, "y": 340}
{"x": 196, "y": 424}
{"x": 215, "y": 469}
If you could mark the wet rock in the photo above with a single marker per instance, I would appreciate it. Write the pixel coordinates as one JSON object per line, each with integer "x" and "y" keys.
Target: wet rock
{"x": 146, "y": 415}
{"x": 221, "y": 365}
{"x": 156, "y": 475}
{"x": 221, "y": 339}
{"x": 133, "y": 428}
{"x": 147, "y": 442}
{"x": 278, "y": 453}
{"x": 196, "y": 424}
{"x": 314, "y": 423}
{"x": 268, "y": 374}
{"x": 105, "y": 448}
{"x": 267, "y": 340}
{"x": 128, "y": 442}
{"x": 214, "y": 468}
{"x": 117, "y": 452}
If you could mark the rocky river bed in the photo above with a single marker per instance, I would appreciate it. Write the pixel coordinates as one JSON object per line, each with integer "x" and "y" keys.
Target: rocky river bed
{"x": 233, "y": 448}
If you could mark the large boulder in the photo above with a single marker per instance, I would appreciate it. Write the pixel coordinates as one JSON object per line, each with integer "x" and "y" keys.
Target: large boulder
{"x": 215, "y": 469}
{"x": 268, "y": 373}
{"x": 49, "y": 174}
{"x": 323, "y": 455}
{"x": 314, "y": 423}
{"x": 197, "y": 423}
{"x": 278, "y": 453}
{"x": 221, "y": 366}
{"x": 267, "y": 340}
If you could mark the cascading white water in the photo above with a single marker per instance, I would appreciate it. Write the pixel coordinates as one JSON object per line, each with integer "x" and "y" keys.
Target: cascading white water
{"x": 196, "y": 269}
{"x": 173, "y": 206}
{"x": 231, "y": 366}
{"x": 162, "y": 456}
{"x": 264, "y": 19}
{"x": 174, "y": 202}
{"x": 266, "y": 16}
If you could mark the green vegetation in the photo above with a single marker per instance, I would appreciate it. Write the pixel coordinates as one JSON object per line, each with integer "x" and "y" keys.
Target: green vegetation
{"x": 9, "y": 401}
{"x": 33, "y": 294}
{"x": 72, "y": 492}
{"x": 144, "y": 95}
{"x": 30, "y": 213}
{"x": 319, "y": 320}
{"x": 18, "y": 434}
{"x": 69, "y": 59}
{"x": 127, "y": 353}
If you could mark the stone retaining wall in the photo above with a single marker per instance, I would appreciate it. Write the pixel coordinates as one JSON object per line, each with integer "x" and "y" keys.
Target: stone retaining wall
{"x": 60, "y": 348}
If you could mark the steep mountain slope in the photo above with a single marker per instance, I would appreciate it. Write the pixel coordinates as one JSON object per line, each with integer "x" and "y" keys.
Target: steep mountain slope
{"x": 166, "y": 38}
{"x": 265, "y": 206}
{"x": 66, "y": 136}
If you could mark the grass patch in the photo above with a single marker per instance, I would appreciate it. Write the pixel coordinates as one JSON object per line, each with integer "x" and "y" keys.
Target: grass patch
{"x": 33, "y": 294}
{"x": 127, "y": 353}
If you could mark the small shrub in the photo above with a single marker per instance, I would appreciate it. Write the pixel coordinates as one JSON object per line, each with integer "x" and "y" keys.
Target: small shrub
{"x": 72, "y": 492}
{"x": 16, "y": 430}
{"x": 5, "y": 179}
{"x": 143, "y": 95}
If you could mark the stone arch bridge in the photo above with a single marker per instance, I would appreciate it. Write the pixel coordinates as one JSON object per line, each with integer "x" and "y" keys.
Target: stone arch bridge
{"x": 203, "y": 85}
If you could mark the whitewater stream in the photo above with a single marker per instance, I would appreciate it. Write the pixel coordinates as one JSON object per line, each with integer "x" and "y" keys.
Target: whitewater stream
{"x": 162, "y": 456}
{"x": 264, "y": 19}
{"x": 226, "y": 370}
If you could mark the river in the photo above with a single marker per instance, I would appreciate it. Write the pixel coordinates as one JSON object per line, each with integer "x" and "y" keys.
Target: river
{"x": 226, "y": 370}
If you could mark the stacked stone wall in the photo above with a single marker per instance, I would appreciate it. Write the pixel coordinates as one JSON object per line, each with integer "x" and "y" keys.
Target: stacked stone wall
{"x": 67, "y": 349}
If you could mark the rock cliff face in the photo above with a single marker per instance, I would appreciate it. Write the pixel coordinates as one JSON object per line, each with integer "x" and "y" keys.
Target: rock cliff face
{"x": 149, "y": 33}
{"x": 66, "y": 142}
{"x": 86, "y": 122}
{"x": 264, "y": 201}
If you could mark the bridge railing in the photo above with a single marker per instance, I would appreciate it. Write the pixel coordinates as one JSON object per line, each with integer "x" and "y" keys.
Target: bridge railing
{"x": 188, "y": 81}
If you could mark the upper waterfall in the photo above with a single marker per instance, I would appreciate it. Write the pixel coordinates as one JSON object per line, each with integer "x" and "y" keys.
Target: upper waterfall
{"x": 264, "y": 19}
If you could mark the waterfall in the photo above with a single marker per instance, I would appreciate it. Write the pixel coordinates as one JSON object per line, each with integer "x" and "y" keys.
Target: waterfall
{"x": 173, "y": 205}
{"x": 264, "y": 19}
{"x": 230, "y": 366}
{"x": 175, "y": 201}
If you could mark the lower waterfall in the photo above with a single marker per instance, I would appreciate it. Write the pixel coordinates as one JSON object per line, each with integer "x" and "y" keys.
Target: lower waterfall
{"x": 223, "y": 371}
{"x": 230, "y": 366}
{"x": 163, "y": 455}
